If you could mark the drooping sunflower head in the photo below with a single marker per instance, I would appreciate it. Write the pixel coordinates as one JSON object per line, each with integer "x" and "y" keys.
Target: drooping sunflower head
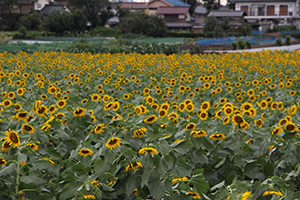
{"x": 85, "y": 152}
{"x": 21, "y": 115}
{"x": 13, "y": 138}
{"x": 151, "y": 119}
{"x": 79, "y": 112}
{"x": 28, "y": 128}
{"x": 217, "y": 136}
{"x": 113, "y": 142}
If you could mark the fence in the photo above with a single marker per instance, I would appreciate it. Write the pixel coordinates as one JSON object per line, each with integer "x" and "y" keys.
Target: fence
{"x": 254, "y": 40}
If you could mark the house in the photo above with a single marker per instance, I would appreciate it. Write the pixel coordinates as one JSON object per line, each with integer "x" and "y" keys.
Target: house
{"x": 174, "y": 12}
{"x": 234, "y": 18}
{"x": 135, "y": 6}
{"x": 270, "y": 12}
{"x": 20, "y": 7}
{"x": 177, "y": 18}
{"x": 52, "y": 7}
{"x": 199, "y": 14}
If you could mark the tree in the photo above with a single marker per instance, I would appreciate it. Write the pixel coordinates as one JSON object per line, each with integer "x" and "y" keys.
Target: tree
{"x": 210, "y": 24}
{"x": 9, "y": 15}
{"x": 77, "y": 22}
{"x": 141, "y": 23}
{"x": 56, "y": 22}
{"x": 96, "y": 11}
{"x": 31, "y": 21}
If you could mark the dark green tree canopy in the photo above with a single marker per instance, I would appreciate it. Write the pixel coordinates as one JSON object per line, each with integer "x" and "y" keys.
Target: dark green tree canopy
{"x": 96, "y": 11}
{"x": 141, "y": 23}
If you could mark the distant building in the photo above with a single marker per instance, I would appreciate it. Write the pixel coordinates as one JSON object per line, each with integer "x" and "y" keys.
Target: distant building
{"x": 270, "y": 12}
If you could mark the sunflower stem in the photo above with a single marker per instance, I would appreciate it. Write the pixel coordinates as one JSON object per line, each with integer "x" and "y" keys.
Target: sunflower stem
{"x": 18, "y": 174}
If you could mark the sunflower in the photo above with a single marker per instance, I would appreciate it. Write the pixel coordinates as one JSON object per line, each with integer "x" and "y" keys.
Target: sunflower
{"x": 228, "y": 111}
{"x": 271, "y": 192}
{"x": 7, "y": 103}
{"x": 99, "y": 128}
{"x": 139, "y": 133}
{"x": 282, "y": 122}
{"x": 162, "y": 113}
{"x": 133, "y": 166}
{"x": 226, "y": 120}
{"x": 42, "y": 110}
{"x": 13, "y": 138}
{"x": 138, "y": 110}
{"x": 182, "y": 107}
{"x": 237, "y": 120}
{"x": 21, "y": 115}
{"x": 33, "y": 146}
{"x": 116, "y": 106}
{"x": 277, "y": 131}
{"x": 263, "y": 104}
{"x": 195, "y": 195}
{"x": 113, "y": 143}
{"x": 151, "y": 119}
{"x": 203, "y": 115}
{"x": 174, "y": 180}
{"x": 259, "y": 122}
{"x": 246, "y": 195}
{"x": 28, "y": 128}
{"x": 85, "y": 152}
{"x": 165, "y": 106}
{"x": 150, "y": 150}
{"x": 79, "y": 112}
{"x": 2, "y": 161}
{"x": 155, "y": 106}
{"x": 217, "y": 136}
{"x": 95, "y": 97}
{"x": 149, "y": 100}
{"x": 11, "y": 95}
{"x": 200, "y": 133}
{"x": 61, "y": 103}
{"x": 190, "y": 107}
{"x": 5, "y": 146}
{"x": 291, "y": 127}
{"x": 190, "y": 126}
{"x": 29, "y": 118}
{"x": 106, "y": 98}
{"x": 20, "y": 92}
{"x": 47, "y": 159}
{"x": 46, "y": 127}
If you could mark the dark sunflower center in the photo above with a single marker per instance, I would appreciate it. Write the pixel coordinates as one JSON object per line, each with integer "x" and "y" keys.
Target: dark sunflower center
{"x": 290, "y": 127}
{"x": 150, "y": 119}
{"x": 22, "y": 114}
{"x": 79, "y": 111}
{"x": 6, "y": 144}
{"x": 203, "y": 115}
{"x": 27, "y": 128}
{"x": 85, "y": 151}
{"x": 238, "y": 119}
{"x": 1, "y": 161}
{"x": 113, "y": 141}
{"x": 41, "y": 110}
{"x": 14, "y": 138}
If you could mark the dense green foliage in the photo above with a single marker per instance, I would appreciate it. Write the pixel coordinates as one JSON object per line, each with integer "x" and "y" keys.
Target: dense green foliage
{"x": 142, "y": 23}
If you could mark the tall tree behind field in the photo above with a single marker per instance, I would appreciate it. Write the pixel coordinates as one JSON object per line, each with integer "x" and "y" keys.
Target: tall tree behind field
{"x": 9, "y": 14}
{"x": 96, "y": 11}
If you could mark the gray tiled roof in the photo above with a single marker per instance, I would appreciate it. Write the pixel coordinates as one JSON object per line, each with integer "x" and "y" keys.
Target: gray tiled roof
{"x": 200, "y": 10}
{"x": 229, "y": 13}
{"x": 172, "y": 10}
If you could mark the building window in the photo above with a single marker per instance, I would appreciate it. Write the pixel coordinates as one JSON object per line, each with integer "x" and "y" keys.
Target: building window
{"x": 39, "y": 5}
{"x": 283, "y": 10}
{"x": 245, "y": 8}
{"x": 270, "y": 10}
{"x": 257, "y": 10}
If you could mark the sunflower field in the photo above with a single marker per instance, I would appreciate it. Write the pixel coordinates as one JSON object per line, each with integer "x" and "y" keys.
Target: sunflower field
{"x": 152, "y": 126}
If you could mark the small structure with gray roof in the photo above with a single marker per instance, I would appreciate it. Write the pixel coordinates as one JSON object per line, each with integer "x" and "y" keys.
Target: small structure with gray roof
{"x": 234, "y": 18}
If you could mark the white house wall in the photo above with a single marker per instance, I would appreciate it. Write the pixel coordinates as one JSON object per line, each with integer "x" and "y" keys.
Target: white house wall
{"x": 40, "y": 4}
{"x": 291, "y": 6}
